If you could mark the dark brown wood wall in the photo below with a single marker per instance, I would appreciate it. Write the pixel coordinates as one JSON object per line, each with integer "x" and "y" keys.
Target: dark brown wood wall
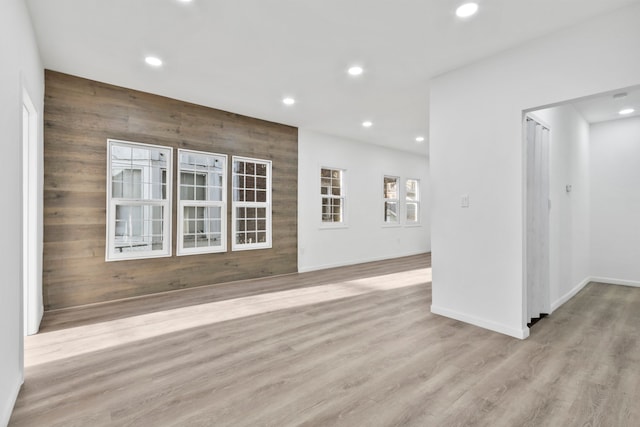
{"x": 79, "y": 116}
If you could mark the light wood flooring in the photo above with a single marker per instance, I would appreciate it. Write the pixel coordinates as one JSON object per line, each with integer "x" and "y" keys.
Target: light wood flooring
{"x": 354, "y": 346}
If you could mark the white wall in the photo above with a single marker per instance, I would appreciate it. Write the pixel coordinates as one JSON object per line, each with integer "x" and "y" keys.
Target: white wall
{"x": 20, "y": 67}
{"x": 569, "y": 216}
{"x": 477, "y": 149}
{"x": 365, "y": 238}
{"x": 615, "y": 201}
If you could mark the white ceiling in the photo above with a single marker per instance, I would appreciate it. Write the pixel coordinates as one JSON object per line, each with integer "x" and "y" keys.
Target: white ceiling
{"x": 602, "y": 108}
{"x": 244, "y": 56}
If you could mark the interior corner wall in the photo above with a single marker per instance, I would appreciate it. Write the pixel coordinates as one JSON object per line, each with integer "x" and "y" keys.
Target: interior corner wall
{"x": 476, "y": 149}
{"x": 20, "y": 68}
{"x": 365, "y": 237}
{"x": 80, "y": 115}
{"x": 615, "y": 201}
{"x": 570, "y": 211}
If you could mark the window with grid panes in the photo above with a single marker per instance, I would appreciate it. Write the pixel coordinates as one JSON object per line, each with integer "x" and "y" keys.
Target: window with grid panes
{"x": 412, "y": 202}
{"x": 251, "y": 210}
{"x": 332, "y": 194}
{"x": 391, "y": 199}
{"x": 202, "y": 209}
{"x": 139, "y": 200}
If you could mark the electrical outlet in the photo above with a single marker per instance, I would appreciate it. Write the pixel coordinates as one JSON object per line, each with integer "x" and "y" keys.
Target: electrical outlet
{"x": 464, "y": 201}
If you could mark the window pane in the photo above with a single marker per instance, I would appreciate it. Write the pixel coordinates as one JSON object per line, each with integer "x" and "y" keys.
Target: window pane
{"x": 412, "y": 189}
{"x": 331, "y": 192}
{"x": 250, "y": 168}
{"x": 390, "y": 187}
{"x": 412, "y": 212}
{"x": 251, "y": 184}
{"x": 138, "y": 228}
{"x": 391, "y": 212}
{"x": 201, "y": 226}
{"x": 138, "y": 174}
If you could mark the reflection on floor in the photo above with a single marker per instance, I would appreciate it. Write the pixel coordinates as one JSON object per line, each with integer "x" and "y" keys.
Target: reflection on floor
{"x": 354, "y": 346}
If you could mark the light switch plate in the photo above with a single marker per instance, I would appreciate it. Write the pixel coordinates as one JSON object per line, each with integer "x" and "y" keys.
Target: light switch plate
{"x": 464, "y": 201}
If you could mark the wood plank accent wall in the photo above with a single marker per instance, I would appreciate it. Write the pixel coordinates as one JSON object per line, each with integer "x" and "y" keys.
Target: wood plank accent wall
{"x": 79, "y": 116}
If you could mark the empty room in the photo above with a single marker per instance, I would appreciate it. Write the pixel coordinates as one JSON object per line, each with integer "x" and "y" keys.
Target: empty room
{"x": 337, "y": 213}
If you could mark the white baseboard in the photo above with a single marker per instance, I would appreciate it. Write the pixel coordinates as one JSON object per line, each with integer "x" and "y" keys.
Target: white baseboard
{"x": 566, "y": 297}
{"x": 608, "y": 280}
{"x": 357, "y": 261}
{"x": 5, "y": 415}
{"x": 611, "y": 281}
{"x": 483, "y": 323}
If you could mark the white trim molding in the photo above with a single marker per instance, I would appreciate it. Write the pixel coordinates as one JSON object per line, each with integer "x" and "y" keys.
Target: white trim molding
{"x": 483, "y": 323}
{"x": 610, "y": 281}
{"x": 360, "y": 261}
{"x": 5, "y": 414}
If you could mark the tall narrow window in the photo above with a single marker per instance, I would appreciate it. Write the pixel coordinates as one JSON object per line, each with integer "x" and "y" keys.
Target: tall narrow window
{"x": 333, "y": 197}
{"x": 139, "y": 200}
{"x": 413, "y": 201}
{"x": 202, "y": 209}
{"x": 391, "y": 200}
{"x": 251, "y": 222}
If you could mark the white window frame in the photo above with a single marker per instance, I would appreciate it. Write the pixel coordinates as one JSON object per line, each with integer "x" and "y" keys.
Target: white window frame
{"x": 417, "y": 202}
{"x": 180, "y": 249}
{"x": 110, "y": 253}
{"x": 342, "y": 197}
{"x": 244, "y": 204}
{"x": 395, "y": 200}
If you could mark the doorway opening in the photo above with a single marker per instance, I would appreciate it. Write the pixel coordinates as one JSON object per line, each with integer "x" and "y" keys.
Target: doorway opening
{"x": 593, "y": 197}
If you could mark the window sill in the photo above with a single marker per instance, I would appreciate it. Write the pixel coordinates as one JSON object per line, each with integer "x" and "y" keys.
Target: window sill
{"x": 385, "y": 225}
{"x": 340, "y": 226}
{"x": 413, "y": 225}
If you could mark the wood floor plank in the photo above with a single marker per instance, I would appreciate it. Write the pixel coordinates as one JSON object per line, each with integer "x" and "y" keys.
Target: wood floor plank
{"x": 344, "y": 347}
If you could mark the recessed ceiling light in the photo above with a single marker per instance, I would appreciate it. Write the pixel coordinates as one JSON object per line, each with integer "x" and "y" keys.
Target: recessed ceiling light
{"x": 626, "y": 111}
{"x": 367, "y": 124}
{"x": 184, "y": 1}
{"x": 153, "y": 61}
{"x": 467, "y": 10}
{"x": 355, "y": 70}
{"x": 420, "y": 139}
{"x": 288, "y": 101}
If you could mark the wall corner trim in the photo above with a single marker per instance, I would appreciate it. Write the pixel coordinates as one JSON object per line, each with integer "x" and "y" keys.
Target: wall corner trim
{"x": 612, "y": 281}
{"x": 483, "y": 323}
{"x": 7, "y": 410}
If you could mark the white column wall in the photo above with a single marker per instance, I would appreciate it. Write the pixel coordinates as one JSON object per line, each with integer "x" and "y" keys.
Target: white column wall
{"x": 364, "y": 238}
{"x": 20, "y": 68}
{"x": 615, "y": 201}
{"x": 476, "y": 149}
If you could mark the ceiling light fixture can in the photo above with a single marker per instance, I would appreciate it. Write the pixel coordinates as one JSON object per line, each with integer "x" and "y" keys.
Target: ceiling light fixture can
{"x": 355, "y": 70}
{"x": 367, "y": 124}
{"x": 466, "y": 10}
{"x": 420, "y": 139}
{"x": 626, "y": 111}
{"x": 288, "y": 101}
{"x": 153, "y": 61}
